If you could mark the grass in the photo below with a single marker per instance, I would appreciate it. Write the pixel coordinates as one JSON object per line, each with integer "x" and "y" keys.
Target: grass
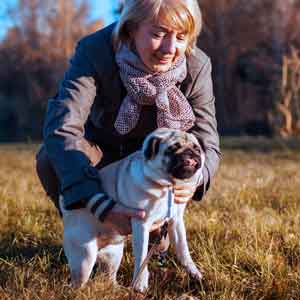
{"x": 244, "y": 236}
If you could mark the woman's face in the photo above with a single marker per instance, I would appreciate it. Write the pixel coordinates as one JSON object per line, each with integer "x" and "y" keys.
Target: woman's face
{"x": 159, "y": 45}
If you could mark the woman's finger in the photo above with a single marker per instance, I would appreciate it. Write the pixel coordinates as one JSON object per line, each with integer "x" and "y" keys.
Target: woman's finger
{"x": 184, "y": 194}
{"x": 184, "y": 187}
{"x": 128, "y": 212}
{"x": 182, "y": 200}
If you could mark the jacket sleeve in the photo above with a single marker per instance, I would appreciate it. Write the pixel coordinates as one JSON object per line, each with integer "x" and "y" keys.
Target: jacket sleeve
{"x": 205, "y": 129}
{"x": 64, "y": 130}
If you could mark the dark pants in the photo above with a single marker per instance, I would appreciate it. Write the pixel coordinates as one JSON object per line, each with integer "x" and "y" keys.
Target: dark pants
{"x": 97, "y": 158}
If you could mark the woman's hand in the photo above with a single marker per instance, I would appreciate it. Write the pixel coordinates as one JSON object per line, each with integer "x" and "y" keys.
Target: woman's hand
{"x": 119, "y": 218}
{"x": 184, "y": 193}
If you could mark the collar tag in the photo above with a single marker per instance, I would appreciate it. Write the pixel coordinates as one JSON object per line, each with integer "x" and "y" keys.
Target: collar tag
{"x": 171, "y": 205}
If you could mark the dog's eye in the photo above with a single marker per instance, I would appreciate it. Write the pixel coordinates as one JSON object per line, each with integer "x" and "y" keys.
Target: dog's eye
{"x": 176, "y": 146}
{"x": 173, "y": 148}
{"x": 197, "y": 149}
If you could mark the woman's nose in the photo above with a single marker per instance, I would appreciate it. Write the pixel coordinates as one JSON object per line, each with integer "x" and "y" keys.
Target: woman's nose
{"x": 169, "y": 46}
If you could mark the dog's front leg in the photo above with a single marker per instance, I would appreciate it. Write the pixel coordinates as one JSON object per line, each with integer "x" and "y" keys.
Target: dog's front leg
{"x": 177, "y": 234}
{"x": 140, "y": 238}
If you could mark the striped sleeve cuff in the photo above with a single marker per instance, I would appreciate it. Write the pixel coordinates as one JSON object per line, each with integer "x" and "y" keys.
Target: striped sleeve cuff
{"x": 100, "y": 205}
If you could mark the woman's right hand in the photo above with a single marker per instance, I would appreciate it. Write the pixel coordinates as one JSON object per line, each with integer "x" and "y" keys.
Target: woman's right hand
{"x": 119, "y": 218}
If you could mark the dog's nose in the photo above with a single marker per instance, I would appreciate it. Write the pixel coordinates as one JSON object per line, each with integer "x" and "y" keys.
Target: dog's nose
{"x": 190, "y": 162}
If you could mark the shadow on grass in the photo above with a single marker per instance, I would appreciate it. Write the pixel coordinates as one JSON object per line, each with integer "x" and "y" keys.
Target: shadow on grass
{"x": 28, "y": 248}
{"x": 27, "y": 253}
{"x": 22, "y": 260}
{"x": 42, "y": 256}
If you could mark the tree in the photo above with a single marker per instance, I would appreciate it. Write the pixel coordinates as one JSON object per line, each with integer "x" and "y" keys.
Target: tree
{"x": 34, "y": 55}
{"x": 246, "y": 41}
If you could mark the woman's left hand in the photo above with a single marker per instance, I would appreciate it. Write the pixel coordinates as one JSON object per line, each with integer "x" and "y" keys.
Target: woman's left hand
{"x": 184, "y": 193}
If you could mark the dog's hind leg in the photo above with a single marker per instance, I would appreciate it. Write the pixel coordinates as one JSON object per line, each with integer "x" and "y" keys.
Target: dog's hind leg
{"x": 109, "y": 260}
{"x": 81, "y": 259}
{"x": 178, "y": 238}
{"x": 80, "y": 244}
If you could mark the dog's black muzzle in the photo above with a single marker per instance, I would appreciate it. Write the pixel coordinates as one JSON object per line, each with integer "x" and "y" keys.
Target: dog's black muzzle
{"x": 184, "y": 161}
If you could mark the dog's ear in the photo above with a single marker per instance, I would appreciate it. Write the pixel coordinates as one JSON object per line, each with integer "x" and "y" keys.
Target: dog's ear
{"x": 152, "y": 147}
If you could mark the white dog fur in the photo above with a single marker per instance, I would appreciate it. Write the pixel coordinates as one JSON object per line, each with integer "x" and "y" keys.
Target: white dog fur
{"x": 136, "y": 182}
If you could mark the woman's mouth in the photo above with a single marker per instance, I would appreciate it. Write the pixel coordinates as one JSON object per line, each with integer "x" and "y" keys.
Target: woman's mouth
{"x": 163, "y": 60}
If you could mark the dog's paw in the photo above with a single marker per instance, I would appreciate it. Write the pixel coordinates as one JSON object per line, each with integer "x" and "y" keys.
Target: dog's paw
{"x": 141, "y": 288}
{"x": 194, "y": 272}
{"x": 141, "y": 284}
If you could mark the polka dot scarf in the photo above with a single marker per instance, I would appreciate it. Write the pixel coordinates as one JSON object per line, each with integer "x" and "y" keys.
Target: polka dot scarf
{"x": 146, "y": 88}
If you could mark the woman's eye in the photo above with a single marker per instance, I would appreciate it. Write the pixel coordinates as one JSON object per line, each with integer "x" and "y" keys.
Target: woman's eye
{"x": 158, "y": 34}
{"x": 181, "y": 37}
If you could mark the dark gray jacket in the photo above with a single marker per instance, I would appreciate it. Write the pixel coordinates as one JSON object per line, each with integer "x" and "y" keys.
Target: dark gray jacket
{"x": 87, "y": 104}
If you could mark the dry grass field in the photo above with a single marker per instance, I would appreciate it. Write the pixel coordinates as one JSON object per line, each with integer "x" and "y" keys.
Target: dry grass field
{"x": 245, "y": 236}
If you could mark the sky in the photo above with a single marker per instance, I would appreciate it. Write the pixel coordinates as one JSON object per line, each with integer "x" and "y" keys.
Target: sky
{"x": 103, "y": 9}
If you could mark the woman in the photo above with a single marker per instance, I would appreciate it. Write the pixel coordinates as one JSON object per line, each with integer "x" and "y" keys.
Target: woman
{"x": 124, "y": 81}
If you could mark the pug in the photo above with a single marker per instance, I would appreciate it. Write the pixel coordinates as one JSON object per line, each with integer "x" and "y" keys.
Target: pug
{"x": 143, "y": 180}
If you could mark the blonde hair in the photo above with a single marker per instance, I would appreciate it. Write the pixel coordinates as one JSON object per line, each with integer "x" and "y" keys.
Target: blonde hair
{"x": 182, "y": 15}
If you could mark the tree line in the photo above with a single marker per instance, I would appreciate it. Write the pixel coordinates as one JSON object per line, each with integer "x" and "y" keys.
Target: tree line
{"x": 253, "y": 46}
{"x": 33, "y": 56}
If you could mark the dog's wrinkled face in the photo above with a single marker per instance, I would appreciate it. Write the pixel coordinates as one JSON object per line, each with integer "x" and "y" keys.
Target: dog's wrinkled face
{"x": 174, "y": 152}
